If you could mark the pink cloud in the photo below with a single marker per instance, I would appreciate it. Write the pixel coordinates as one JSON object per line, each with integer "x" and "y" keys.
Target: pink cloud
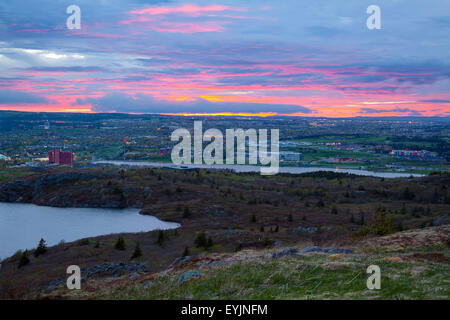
{"x": 187, "y": 9}
{"x": 190, "y": 27}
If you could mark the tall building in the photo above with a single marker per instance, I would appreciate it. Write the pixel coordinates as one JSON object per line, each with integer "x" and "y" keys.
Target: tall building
{"x": 61, "y": 158}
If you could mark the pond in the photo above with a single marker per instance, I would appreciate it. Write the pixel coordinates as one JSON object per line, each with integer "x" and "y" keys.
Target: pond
{"x": 23, "y": 225}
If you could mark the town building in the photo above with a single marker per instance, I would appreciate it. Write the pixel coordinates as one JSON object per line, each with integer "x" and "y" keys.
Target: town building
{"x": 291, "y": 156}
{"x": 56, "y": 156}
{"x": 422, "y": 155}
{"x": 345, "y": 159}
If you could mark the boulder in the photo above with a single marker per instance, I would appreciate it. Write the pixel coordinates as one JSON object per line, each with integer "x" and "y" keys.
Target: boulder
{"x": 441, "y": 221}
{"x": 180, "y": 260}
{"x": 309, "y": 230}
{"x": 291, "y": 252}
{"x": 194, "y": 274}
{"x": 311, "y": 249}
{"x": 337, "y": 251}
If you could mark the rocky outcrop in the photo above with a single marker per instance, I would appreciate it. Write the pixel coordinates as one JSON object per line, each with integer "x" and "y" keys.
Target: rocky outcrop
{"x": 67, "y": 189}
{"x": 107, "y": 269}
{"x": 291, "y": 252}
{"x": 194, "y": 274}
{"x": 326, "y": 250}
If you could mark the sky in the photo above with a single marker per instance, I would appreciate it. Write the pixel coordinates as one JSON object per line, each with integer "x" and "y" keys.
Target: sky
{"x": 228, "y": 57}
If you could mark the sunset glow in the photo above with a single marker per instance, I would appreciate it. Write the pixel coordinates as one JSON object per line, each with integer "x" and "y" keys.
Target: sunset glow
{"x": 225, "y": 58}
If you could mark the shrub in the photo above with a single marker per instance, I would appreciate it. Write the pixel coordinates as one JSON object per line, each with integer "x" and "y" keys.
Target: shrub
{"x": 186, "y": 212}
{"x": 185, "y": 252}
{"x": 334, "y": 210}
{"x": 120, "y": 244}
{"x": 320, "y": 203}
{"x": 137, "y": 252}
{"x": 83, "y": 242}
{"x": 380, "y": 225}
{"x": 24, "y": 260}
{"x": 161, "y": 239}
{"x": 201, "y": 241}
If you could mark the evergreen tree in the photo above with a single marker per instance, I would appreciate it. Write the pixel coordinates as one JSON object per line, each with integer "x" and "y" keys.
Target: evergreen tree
{"x": 160, "y": 240}
{"x": 209, "y": 243}
{"x": 200, "y": 240}
{"x": 362, "y": 221}
{"x": 24, "y": 260}
{"x": 41, "y": 248}
{"x": 253, "y": 218}
{"x": 186, "y": 213}
{"x": 120, "y": 244}
{"x": 334, "y": 210}
{"x": 137, "y": 252}
{"x": 186, "y": 252}
{"x": 290, "y": 219}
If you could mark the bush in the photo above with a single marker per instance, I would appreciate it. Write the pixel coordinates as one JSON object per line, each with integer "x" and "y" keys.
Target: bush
{"x": 380, "y": 225}
{"x": 320, "y": 203}
{"x": 83, "y": 242}
{"x": 334, "y": 210}
{"x": 201, "y": 241}
{"x": 24, "y": 260}
{"x": 137, "y": 252}
{"x": 186, "y": 212}
{"x": 41, "y": 248}
{"x": 120, "y": 244}
{"x": 185, "y": 252}
{"x": 161, "y": 239}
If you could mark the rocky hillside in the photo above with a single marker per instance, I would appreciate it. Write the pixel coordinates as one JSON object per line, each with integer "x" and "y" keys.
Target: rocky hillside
{"x": 414, "y": 265}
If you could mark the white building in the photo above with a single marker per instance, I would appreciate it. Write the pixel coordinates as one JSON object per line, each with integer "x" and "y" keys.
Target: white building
{"x": 291, "y": 156}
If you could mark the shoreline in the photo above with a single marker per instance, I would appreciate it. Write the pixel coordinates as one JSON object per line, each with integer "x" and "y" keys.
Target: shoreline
{"x": 251, "y": 168}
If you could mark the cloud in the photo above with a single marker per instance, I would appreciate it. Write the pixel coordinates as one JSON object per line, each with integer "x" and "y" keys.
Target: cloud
{"x": 20, "y": 97}
{"x": 408, "y": 111}
{"x": 435, "y": 101}
{"x": 147, "y": 104}
{"x": 187, "y": 9}
{"x": 371, "y": 110}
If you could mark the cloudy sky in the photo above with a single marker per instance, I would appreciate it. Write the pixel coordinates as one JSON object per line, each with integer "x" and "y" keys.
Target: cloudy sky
{"x": 290, "y": 57}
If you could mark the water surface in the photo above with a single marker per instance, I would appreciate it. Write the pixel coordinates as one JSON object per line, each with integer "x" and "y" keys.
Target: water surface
{"x": 23, "y": 225}
{"x": 251, "y": 168}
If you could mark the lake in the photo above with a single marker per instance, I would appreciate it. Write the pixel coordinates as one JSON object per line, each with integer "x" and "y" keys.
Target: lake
{"x": 251, "y": 168}
{"x": 23, "y": 225}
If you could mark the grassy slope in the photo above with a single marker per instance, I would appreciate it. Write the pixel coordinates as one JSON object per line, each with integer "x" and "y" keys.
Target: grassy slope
{"x": 417, "y": 270}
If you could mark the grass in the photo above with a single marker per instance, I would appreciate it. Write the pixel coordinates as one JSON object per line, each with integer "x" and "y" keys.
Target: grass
{"x": 311, "y": 277}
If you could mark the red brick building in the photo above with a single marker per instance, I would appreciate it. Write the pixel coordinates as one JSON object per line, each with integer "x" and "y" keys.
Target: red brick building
{"x": 59, "y": 157}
